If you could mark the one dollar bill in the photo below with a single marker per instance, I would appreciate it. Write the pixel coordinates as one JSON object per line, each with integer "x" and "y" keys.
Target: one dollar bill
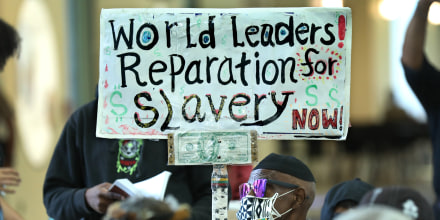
{"x": 212, "y": 147}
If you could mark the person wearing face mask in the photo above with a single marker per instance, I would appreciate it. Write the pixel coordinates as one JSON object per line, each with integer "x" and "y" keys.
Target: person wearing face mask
{"x": 279, "y": 187}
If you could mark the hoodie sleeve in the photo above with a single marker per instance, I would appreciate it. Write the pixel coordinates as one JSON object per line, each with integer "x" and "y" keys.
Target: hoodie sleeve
{"x": 63, "y": 189}
{"x": 424, "y": 83}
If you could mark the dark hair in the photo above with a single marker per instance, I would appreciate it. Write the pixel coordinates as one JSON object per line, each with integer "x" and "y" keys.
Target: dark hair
{"x": 349, "y": 193}
{"x": 405, "y": 199}
{"x": 145, "y": 208}
{"x": 9, "y": 42}
{"x": 346, "y": 204}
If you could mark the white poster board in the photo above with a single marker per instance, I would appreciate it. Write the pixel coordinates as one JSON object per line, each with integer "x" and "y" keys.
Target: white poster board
{"x": 284, "y": 72}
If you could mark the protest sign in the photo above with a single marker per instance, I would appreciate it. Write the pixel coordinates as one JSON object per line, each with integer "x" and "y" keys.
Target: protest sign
{"x": 283, "y": 72}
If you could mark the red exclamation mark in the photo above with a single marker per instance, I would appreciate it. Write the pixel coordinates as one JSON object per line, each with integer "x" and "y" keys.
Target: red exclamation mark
{"x": 340, "y": 118}
{"x": 341, "y": 30}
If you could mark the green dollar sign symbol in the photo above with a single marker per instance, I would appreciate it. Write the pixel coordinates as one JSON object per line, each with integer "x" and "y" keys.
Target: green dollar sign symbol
{"x": 115, "y": 105}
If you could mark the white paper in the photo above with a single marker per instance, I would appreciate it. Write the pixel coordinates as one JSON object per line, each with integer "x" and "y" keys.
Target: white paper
{"x": 155, "y": 186}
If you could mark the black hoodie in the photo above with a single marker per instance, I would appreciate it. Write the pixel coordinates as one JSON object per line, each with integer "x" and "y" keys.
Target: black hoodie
{"x": 81, "y": 160}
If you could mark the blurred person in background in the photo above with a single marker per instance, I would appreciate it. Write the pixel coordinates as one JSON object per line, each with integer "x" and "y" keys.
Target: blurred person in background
{"x": 144, "y": 208}
{"x": 9, "y": 44}
{"x": 424, "y": 80}
{"x": 404, "y": 199}
{"x": 375, "y": 212}
{"x": 343, "y": 196}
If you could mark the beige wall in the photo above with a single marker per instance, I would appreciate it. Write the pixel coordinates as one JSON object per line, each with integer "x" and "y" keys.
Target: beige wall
{"x": 369, "y": 67}
{"x": 433, "y": 45}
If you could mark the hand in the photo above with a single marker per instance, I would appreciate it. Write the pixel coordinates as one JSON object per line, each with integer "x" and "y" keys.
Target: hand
{"x": 8, "y": 177}
{"x": 99, "y": 198}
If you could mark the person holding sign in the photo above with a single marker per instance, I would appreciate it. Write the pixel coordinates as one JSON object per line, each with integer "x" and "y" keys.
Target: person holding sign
{"x": 423, "y": 79}
{"x": 84, "y": 166}
{"x": 279, "y": 186}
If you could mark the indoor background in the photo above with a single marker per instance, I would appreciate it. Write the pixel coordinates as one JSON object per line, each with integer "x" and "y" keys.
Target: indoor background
{"x": 57, "y": 71}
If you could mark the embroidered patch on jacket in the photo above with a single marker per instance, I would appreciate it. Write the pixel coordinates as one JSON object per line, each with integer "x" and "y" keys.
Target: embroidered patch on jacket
{"x": 128, "y": 155}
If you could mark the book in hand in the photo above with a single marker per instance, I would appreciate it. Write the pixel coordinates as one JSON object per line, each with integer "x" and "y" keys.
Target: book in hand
{"x": 152, "y": 187}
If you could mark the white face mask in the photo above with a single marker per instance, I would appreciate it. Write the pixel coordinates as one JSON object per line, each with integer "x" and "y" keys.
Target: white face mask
{"x": 254, "y": 208}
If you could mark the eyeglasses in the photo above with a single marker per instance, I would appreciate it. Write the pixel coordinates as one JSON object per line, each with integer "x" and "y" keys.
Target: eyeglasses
{"x": 259, "y": 187}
